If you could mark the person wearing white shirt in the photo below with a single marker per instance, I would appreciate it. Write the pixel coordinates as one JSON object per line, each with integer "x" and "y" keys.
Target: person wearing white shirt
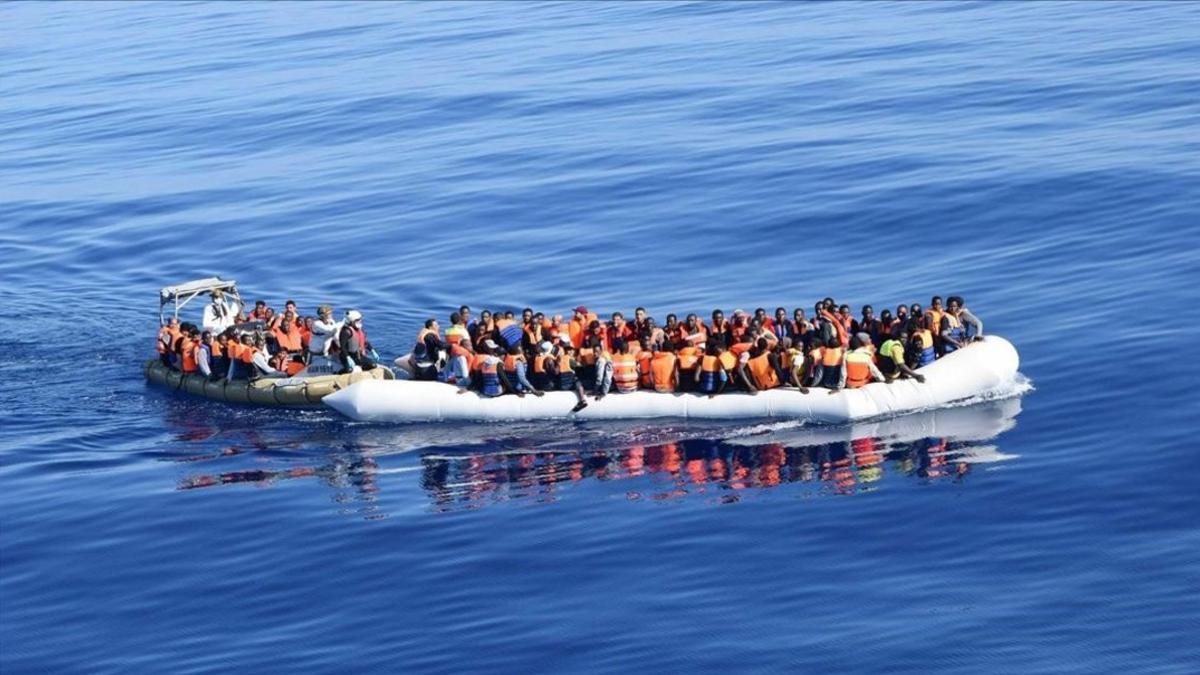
{"x": 324, "y": 331}
{"x": 220, "y": 314}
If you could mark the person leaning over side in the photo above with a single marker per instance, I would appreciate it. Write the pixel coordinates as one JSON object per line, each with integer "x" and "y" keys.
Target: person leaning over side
{"x": 168, "y": 333}
{"x": 891, "y": 361}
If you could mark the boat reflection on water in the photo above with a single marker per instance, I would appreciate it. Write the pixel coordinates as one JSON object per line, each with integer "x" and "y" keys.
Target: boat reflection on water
{"x": 470, "y": 467}
{"x": 939, "y": 445}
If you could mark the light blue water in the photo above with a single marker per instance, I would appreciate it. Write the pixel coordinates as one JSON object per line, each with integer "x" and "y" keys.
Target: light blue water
{"x": 1039, "y": 158}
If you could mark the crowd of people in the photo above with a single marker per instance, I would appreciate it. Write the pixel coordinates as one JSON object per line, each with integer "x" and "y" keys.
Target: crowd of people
{"x": 232, "y": 343}
{"x": 499, "y": 353}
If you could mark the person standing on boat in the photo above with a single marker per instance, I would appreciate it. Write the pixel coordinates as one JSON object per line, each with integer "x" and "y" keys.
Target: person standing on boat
{"x": 324, "y": 331}
{"x": 219, "y": 314}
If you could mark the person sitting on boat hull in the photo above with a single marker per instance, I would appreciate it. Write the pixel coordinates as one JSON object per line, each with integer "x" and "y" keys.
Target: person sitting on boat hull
{"x": 560, "y": 369}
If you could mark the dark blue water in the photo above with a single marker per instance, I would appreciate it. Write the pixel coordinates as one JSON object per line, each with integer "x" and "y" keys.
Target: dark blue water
{"x": 1041, "y": 159}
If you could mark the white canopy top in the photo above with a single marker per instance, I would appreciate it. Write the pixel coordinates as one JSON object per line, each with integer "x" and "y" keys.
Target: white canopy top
{"x": 182, "y": 294}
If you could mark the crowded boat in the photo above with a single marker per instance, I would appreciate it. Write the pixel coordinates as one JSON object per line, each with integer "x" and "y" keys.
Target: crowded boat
{"x": 499, "y": 353}
{"x": 251, "y": 352}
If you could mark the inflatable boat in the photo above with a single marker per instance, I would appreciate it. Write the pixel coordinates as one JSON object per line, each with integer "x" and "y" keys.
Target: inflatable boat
{"x": 292, "y": 392}
{"x": 318, "y": 379}
{"x": 984, "y": 368}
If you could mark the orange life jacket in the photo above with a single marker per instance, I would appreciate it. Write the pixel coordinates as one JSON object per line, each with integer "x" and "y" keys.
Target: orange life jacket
{"x": 739, "y": 348}
{"x": 510, "y": 362}
{"x": 587, "y": 356}
{"x": 727, "y": 359}
{"x": 842, "y": 333}
{"x": 625, "y": 375}
{"x": 293, "y": 367}
{"x": 457, "y": 350}
{"x": 247, "y": 354}
{"x": 858, "y": 369}
{"x": 663, "y": 367}
{"x": 934, "y": 319}
{"x": 689, "y": 357}
{"x": 166, "y": 337}
{"x": 577, "y": 329}
{"x": 763, "y": 372}
{"x": 187, "y": 354}
{"x": 289, "y": 341}
{"x": 477, "y": 362}
{"x": 831, "y": 357}
{"x": 645, "y": 358}
{"x": 539, "y": 363}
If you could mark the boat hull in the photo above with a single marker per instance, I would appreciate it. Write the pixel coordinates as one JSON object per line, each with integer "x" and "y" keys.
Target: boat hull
{"x": 982, "y": 368}
{"x": 293, "y": 392}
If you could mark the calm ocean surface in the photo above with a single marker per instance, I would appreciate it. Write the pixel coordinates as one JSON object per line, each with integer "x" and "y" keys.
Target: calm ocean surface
{"x": 1041, "y": 159}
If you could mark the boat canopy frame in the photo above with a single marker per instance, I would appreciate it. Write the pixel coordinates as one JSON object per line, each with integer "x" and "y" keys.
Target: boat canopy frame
{"x": 181, "y": 294}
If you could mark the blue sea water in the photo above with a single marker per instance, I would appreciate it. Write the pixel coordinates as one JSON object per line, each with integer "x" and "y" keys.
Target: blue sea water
{"x": 1041, "y": 159}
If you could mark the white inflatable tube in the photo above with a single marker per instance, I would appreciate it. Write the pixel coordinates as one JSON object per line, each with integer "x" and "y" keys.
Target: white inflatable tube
{"x": 980, "y": 368}
{"x": 968, "y": 423}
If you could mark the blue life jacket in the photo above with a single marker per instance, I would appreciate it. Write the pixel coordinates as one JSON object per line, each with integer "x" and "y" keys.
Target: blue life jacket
{"x": 512, "y": 334}
{"x": 955, "y": 331}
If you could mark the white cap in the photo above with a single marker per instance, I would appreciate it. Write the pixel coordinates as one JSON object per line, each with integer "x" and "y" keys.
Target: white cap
{"x": 491, "y": 344}
{"x": 546, "y": 347}
{"x": 354, "y": 315}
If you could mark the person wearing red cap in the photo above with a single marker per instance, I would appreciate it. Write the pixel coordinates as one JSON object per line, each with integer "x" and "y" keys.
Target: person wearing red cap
{"x": 578, "y": 328}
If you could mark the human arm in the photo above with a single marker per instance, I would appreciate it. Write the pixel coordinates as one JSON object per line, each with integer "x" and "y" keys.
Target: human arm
{"x": 742, "y": 373}
{"x": 876, "y": 374}
{"x": 966, "y": 317}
